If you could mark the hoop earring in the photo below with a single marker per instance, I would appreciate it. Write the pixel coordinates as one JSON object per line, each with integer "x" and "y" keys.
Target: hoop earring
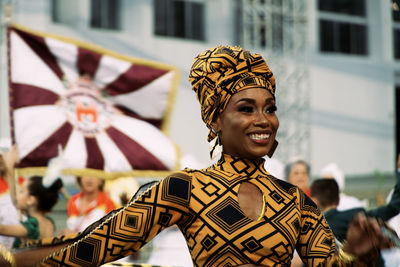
{"x": 273, "y": 148}
{"x": 215, "y": 147}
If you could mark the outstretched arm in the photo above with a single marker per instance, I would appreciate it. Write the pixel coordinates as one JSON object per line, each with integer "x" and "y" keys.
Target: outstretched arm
{"x": 10, "y": 158}
{"x": 364, "y": 240}
{"x": 392, "y": 208}
{"x": 28, "y": 258}
{"x": 16, "y": 230}
{"x": 118, "y": 234}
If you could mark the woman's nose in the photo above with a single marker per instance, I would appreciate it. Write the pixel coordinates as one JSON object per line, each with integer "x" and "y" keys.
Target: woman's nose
{"x": 261, "y": 119}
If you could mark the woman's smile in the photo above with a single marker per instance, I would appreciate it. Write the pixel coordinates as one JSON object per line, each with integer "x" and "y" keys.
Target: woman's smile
{"x": 248, "y": 125}
{"x": 260, "y": 138}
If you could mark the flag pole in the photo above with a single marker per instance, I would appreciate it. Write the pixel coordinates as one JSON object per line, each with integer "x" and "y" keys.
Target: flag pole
{"x": 7, "y": 10}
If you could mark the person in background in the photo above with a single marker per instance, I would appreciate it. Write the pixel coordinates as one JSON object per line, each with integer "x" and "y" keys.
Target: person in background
{"x": 233, "y": 213}
{"x": 332, "y": 171}
{"x": 395, "y": 221}
{"x": 325, "y": 193}
{"x": 297, "y": 173}
{"x": 8, "y": 212}
{"x": 392, "y": 256}
{"x": 35, "y": 201}
{"x": 89, "y": 205}
{"x": 121, "y": 190}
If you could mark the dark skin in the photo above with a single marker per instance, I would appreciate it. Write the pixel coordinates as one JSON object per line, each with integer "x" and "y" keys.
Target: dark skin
{"x": 247, "y": 129}
{"x": 243, "y": 128}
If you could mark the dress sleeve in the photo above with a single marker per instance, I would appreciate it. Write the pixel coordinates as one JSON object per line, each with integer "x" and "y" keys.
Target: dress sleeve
{"x": 32, "y": 227}
{"x": 316, "y": 243}
{"x": 120, "y": 233}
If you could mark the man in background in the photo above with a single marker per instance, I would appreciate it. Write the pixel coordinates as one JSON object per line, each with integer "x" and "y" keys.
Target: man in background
{"x": 325, "y": 193}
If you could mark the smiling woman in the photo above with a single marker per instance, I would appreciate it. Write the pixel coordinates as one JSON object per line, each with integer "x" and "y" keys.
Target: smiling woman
{"x": 248, "y": 125}
{"x": 233, "y": 213}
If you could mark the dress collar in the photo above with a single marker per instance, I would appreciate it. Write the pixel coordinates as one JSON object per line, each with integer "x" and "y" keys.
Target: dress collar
{"x": 241, "y": 166}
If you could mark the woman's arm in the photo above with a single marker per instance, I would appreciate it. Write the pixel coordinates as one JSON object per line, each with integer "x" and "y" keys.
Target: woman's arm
{"x": 16, "y": 230}
{"x": 10, "y": 159}
{"x": 32, "y": 257}
{"x": 392, "y": 208}
{"x": 121, "y": 232}
{"x": 316, "y": 245}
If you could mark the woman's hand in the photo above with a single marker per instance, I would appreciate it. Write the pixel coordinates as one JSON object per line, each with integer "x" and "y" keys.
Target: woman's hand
{"x": 364, "y": 236}
{"x": 10, "y": 158}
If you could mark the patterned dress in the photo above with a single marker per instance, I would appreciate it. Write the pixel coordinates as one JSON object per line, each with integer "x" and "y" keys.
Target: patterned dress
{"x": 204, "y": 205}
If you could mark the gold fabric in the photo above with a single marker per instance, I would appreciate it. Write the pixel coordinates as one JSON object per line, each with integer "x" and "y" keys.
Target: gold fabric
{"x": 204, "y": 205}
{"x": 220, "y": 72}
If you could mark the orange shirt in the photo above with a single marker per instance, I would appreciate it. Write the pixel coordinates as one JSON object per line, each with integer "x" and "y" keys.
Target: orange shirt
{"x": 3, "y": 186}
{"x": 78, "y": 220}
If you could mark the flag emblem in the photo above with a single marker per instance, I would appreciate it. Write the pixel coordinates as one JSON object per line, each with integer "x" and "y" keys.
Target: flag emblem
{"x": 108, "y": 112}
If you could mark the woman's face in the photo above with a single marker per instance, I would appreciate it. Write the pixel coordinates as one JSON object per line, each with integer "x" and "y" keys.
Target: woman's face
{"x": 299, "y": 176}
{"x": 90, "y": 184}
{"x": 23, "y": 196}
{"x": 247, "y": 127}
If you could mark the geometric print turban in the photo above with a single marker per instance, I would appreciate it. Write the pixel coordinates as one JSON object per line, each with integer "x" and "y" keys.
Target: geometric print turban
{"x": 220, "y": 72}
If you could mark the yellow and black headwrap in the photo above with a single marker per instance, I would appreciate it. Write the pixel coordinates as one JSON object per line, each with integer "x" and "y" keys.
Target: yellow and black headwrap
{"x": 220, "y": 72}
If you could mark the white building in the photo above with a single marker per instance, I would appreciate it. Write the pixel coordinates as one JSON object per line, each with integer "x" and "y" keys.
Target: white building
{"x": 346, "y": 58}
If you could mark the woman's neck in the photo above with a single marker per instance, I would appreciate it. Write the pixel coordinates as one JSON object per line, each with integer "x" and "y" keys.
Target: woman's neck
{"x": 34, "y": 212}
{"x": 90, "y": 196}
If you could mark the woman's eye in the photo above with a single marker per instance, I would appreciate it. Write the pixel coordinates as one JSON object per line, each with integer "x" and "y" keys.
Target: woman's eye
{"x": 247, "y": 109}
{"x": 272, "y": 109}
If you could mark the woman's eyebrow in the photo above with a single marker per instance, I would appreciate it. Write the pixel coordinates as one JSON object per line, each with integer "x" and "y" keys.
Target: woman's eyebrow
{"x": 269, "y": 100}
{"x": 249, "y": 100}
{"x": 252, "y": 100}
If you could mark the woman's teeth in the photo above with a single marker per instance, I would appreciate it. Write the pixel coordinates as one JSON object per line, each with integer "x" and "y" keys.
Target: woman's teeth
{"x": 259, "y": 136}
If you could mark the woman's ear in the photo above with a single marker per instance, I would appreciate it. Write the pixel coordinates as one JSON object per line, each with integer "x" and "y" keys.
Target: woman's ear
{"x": 215, "y": 125}
{"x": 31, "y": 201}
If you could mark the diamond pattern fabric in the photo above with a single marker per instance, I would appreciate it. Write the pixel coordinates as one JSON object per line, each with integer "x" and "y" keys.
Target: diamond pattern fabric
{"x": 204, "y": 205}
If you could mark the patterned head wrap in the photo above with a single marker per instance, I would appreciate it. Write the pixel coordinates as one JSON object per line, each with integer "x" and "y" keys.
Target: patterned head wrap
{"x": 220, "y": 72}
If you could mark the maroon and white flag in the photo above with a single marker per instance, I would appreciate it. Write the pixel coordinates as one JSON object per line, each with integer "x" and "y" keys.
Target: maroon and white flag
{"x": 107, "y": 112}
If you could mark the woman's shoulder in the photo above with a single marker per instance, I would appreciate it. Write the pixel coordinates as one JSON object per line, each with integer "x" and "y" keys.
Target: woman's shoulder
{"x": 284, "y": 185}
{"x": 187, "y": 174}
{"x": 31, "y": 221}
{"x": 31, "y": 225}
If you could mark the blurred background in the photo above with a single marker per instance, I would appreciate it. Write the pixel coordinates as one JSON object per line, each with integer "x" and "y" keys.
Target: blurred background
{"x": 337, "y": 65}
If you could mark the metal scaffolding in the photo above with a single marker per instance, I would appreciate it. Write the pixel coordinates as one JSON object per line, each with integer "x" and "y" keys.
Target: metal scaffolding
{"x": 278, "y": 29}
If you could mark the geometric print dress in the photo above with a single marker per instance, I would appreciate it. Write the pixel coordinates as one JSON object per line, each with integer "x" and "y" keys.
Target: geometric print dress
{"x": 204, "y": 205}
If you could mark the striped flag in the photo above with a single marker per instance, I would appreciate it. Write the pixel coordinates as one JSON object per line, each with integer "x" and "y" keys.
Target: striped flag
{"x": 108, "y": 112}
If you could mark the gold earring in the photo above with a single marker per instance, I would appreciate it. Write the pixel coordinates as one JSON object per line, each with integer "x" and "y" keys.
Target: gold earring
{"x": 273, "y": 148}
{"x": 215, "y": 146}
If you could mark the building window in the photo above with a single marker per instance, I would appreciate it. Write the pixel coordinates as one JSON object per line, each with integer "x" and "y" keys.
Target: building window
{"x": 342, "y": 37}
{"x": 350, "y": 7}
{"x": 396, "y": 28}
{"x": 343, "y": 27}
{"x": 55, "y": 14}
{"x": 179, "y": 18}
{"x": 105, "y": 14}
{"x": 397, "y": 123}
{"x": 396, "y": 10}
{"x": 396, "y": 43}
